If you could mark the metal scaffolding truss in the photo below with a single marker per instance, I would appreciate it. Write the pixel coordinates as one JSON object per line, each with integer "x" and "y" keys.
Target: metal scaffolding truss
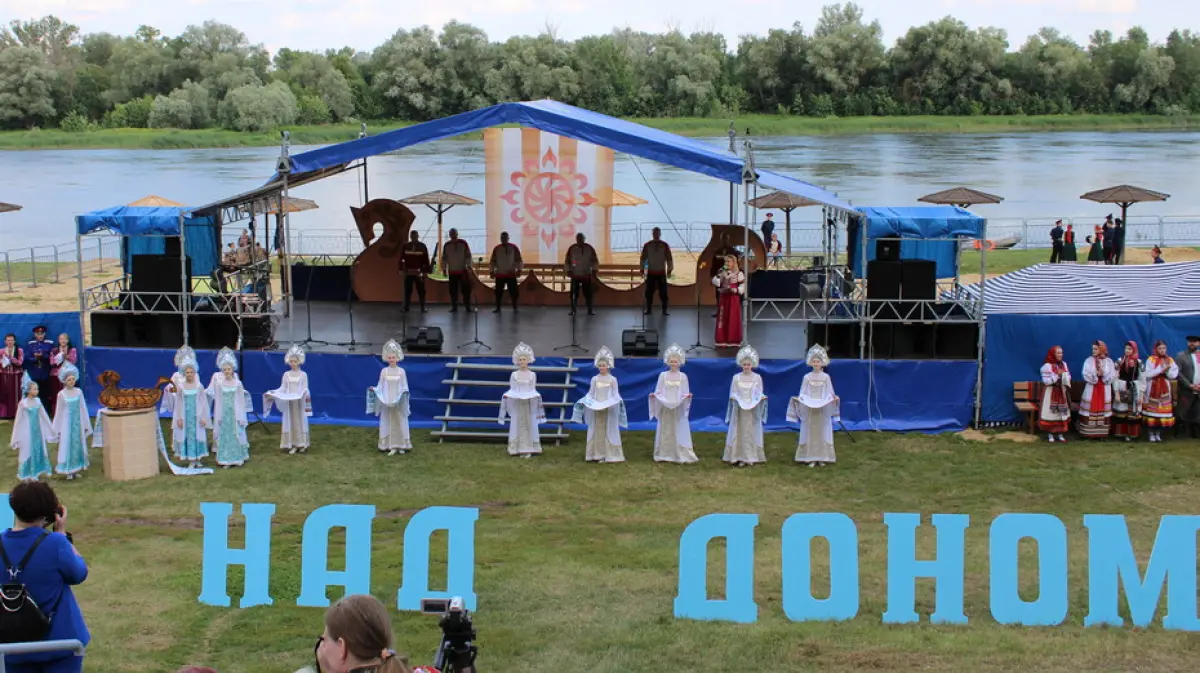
{"x": 931, "y": 311}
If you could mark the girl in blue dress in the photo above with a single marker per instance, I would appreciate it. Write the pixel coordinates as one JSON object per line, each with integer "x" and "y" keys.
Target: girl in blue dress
{"x": 72, "y": 426}
{"x": 190, "y": 421}
{"x": 31, "y": 431}
{"x": 230, "y": 402}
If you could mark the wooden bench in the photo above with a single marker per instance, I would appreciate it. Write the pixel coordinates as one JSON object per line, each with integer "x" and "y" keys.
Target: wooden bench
{"x": 1027, "y": 397}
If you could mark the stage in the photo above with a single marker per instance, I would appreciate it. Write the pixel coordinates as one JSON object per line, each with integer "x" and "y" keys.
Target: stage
{"x": 543, "y": 328}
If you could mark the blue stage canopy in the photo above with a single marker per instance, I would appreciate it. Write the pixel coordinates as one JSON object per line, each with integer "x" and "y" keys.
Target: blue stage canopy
{"x": 917, "y": 225}
{"x": 572, "y": 122}
{"x": 143, "y": 229}
{"x": 132, "y": 221}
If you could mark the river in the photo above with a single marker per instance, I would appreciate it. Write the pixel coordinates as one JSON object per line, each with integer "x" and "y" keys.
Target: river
{"x": 1040, "y": 176}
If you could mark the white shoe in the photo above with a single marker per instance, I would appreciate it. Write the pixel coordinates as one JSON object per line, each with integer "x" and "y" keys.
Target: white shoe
{"x": 1051, "y": 438}
{"x": 392, "y": 452}
{"x": 291, "y": 452}
{"x": 527, "y": 455}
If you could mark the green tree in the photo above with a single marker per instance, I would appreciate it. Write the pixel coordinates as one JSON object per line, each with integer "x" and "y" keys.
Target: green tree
{"x": 188, "y": 107}
{"x": 845, "y": 53}
{"x": 950, "y": 66}
{"x": 26, "y": 87}
{"x": 255, "y": 107}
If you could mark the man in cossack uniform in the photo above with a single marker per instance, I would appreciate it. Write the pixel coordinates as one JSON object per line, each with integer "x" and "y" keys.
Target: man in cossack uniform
{"x": 414, "y": 264}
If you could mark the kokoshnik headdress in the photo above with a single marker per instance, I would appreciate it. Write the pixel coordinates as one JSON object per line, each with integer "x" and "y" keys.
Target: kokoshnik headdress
{"x": 66, "y": 370}
{"x": 25, "y": 383}
{"x": 674, "y": 351}
{"x": 226, "y": 357}
{"x": 817, "y": 352}
{"x": 295, "y": 353}
{"x": 522, "y": 350}
{"x": 604, "y": 356}
{"x": 393, "y": 348}
{"x": 189, "y": 363}
{"x": 184, "y": 353}
{"x": 747, "y": 354}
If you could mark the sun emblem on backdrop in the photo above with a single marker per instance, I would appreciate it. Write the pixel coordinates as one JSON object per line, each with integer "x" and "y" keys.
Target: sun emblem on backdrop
{"x": 549, "y": 198}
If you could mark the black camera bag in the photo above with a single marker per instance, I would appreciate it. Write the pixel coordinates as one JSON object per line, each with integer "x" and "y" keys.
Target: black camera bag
{"x": 21, "y": 619}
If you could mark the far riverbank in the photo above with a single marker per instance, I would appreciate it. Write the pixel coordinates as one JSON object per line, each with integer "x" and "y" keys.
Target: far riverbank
{"x": 759, "y": 125}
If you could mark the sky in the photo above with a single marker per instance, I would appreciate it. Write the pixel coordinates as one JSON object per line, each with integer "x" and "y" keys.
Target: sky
{"x": 364, "y": 24}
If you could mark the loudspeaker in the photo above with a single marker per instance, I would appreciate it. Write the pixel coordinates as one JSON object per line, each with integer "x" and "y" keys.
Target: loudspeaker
{"x": 884, "y": 279}
{"x": 840, "y": 339}
{"x": 918, "y": 279}
{"x": 957, "y": 341}
{"x": 148, "y": 330}
{"x": 913, "y": 341}
{"x": 108, "y": 329}
{"x": 639, "y": 342}
{"x": 423, "y": 340}
{"x": 887, "y": 250}
{"x": 171, "y": 248}
{"x": 159, "y": 273}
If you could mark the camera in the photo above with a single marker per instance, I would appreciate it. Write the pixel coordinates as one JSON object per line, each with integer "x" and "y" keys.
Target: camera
{"x": 52, "y": 517}
{"x": 457, "y": 651}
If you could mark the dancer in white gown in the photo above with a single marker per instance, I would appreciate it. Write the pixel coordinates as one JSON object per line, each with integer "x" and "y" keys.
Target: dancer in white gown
{"x": 746, "y": 413}
{"x": 192, "y": 416}
{"x": 295, "y": 403}
{"x": 670, "y": 404}
{"x": 523, "y": 403}
{"x": 231, "y": 404}
{"x": 168, "y": 399}
{"x": 71, "y": 424}
{"x": 815, "y": 409}
{"x": 604, "y": 412}
{"x": 31, "y": 433}
{"x": 388, "y": 400}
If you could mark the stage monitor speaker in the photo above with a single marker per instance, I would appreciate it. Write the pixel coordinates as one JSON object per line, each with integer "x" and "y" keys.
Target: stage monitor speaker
{"x": 639, "y": 342}
{"x": 423, "y": 340}
{"x": 918, "y": 279}
{"x": 957, "y": 341}
{"x": 883, "y": 279}
{"x": 887, "y": 250}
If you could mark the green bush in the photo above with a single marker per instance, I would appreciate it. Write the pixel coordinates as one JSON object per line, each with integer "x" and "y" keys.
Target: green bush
{"x": 74, "y": 123}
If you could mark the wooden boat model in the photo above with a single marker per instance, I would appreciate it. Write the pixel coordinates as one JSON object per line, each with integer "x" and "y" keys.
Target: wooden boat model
{"x": 129, "y": 399}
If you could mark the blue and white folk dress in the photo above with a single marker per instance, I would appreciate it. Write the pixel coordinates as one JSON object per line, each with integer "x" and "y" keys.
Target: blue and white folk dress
{"x": 72, "y": 427}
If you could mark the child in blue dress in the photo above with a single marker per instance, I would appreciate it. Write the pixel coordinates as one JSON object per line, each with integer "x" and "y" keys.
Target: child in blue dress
{"x": 72, "y": 426}
{"x": 190, "y": 421}
{"x": 230, "y": 402}
{"x": 31, "y": 431}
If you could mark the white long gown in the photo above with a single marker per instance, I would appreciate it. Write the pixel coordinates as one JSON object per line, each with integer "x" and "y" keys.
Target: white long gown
{"x": 604, "y": 412}
{"x": 523, "y": 403}
{"x": 295, "y": 407}
{"x": 670, "y": 405}
{"x": 230, "y": 443}
{"x": 389, "y": 401}
{"x": 746, "y": 414}
{"x": 816, "y": 412}
{"x": 32, "y": 432}
{"x": 199, "y": 423}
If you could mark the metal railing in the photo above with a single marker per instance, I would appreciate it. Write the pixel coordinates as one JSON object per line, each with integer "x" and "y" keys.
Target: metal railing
{"x": 49, "y": 264}
{"x": 39, "y": 647}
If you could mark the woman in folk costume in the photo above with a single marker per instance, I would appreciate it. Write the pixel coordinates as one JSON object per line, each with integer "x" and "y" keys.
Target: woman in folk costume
{"x": 1158, "y": 409}
{"x": 523, "y": 403}
{"x": 31, "y": 432}
{"x": 1095, "y": 407}
{"x": 63, "y": 352}
{"x": 604, "y": 411}
{"x": 1096, "y": 247}
{"x": 72, "y": 426}
{"x": 669, "y": 404}
{"x": 746, "y": 413}
{"x": 1128, "y": 395}
{"x": 1054, "y": 412}
{"x": 816, "y": 409}
{"x": 388, "y": 400}
{"x": 11, "y": 376}
{"x": 168, "y": 399}
{"x": 730, "y": 285}
{"x": 1070, "y": 253}
{"x": 230, "y": 404}
{"x": 295, "y": 403}
{"x": 191, "y": 416}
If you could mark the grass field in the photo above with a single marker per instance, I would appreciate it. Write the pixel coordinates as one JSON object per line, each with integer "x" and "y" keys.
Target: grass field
{"x": 762, "y": 125}
{"x": 577, "y": 563}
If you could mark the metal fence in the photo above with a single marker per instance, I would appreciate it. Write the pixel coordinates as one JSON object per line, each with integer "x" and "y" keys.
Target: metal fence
{"x": 31, "y": 267}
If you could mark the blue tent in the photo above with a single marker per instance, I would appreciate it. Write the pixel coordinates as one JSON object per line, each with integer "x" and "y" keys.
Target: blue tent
{"x": 916, "y": 224}
{"x": 144, "y": 228}
{"x": 569, "y": 121}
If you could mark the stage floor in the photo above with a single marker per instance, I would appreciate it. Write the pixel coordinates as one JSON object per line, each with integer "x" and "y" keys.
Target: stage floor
{"x": 543, "y": 328}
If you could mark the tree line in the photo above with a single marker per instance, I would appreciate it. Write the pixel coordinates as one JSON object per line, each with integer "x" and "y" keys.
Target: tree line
{"x": 53, "y": 75}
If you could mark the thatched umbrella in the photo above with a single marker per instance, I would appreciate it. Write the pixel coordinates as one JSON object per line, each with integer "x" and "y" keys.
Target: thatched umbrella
{"x": 608, "y": 197}
{"x": 963, "y": 197}
{"x": 1125, "y": 196}
{"x": 787, "y": 203}
{"x": 291, "y": 205}
{"x": 156, "y": 202}
{"x": 440, "y": 201}
{"x": 8, "y": 207}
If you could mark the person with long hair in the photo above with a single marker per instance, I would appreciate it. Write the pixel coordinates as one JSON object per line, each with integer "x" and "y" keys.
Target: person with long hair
{"x": 1054, "y": 412}
{"x": 12, "y": 357}
{"x": 670, "y": 404}
{"x": 63, "y": 353}
{"x": 389, "y": 400}
{"x": 745, "y": 413}
{"x": 1128, "y": 394}
{"x": 1095, "y": 407}
{"x": 1158, "y": 408}
{"x": 358, "y": 639}
{"x": 730, "y": 283}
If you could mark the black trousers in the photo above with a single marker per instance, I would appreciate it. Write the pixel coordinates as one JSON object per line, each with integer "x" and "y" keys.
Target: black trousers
{"x": 578, "y": 284}
{"x": 414, "y": 281}
{"x": 656, "y": 281}
{"x": 1056, "y": 252}
{"x": 460, "y": 284}
{"x": 511, "y": 285}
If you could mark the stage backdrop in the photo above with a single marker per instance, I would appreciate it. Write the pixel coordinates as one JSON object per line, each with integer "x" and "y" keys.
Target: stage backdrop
{"x": 542, "y": 189}
{"x": 917, "y": 395}
{"x": 22, "y": 324}
{"x": 1016, "y": 347}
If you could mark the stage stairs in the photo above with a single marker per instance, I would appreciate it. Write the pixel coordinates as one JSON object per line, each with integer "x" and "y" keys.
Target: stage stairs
{"x": 465, "y": 412}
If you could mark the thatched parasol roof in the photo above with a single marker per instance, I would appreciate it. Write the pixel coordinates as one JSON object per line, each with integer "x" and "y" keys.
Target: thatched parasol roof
{"x": 156, "y": 202}
{"x": 270, "y": 206}
{"x": 440, "y": 197}
{"x": 608, "y": 197}
{"x": 1124, "y": 194}
{"x": 960, "y": 196}
{"x": 8, "y": 207}
{"x": 781, "y": 201}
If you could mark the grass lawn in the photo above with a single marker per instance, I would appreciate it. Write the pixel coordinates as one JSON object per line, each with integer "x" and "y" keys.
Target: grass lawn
{"x": 761, "y": 125}
{"x": 577, "y": 563}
